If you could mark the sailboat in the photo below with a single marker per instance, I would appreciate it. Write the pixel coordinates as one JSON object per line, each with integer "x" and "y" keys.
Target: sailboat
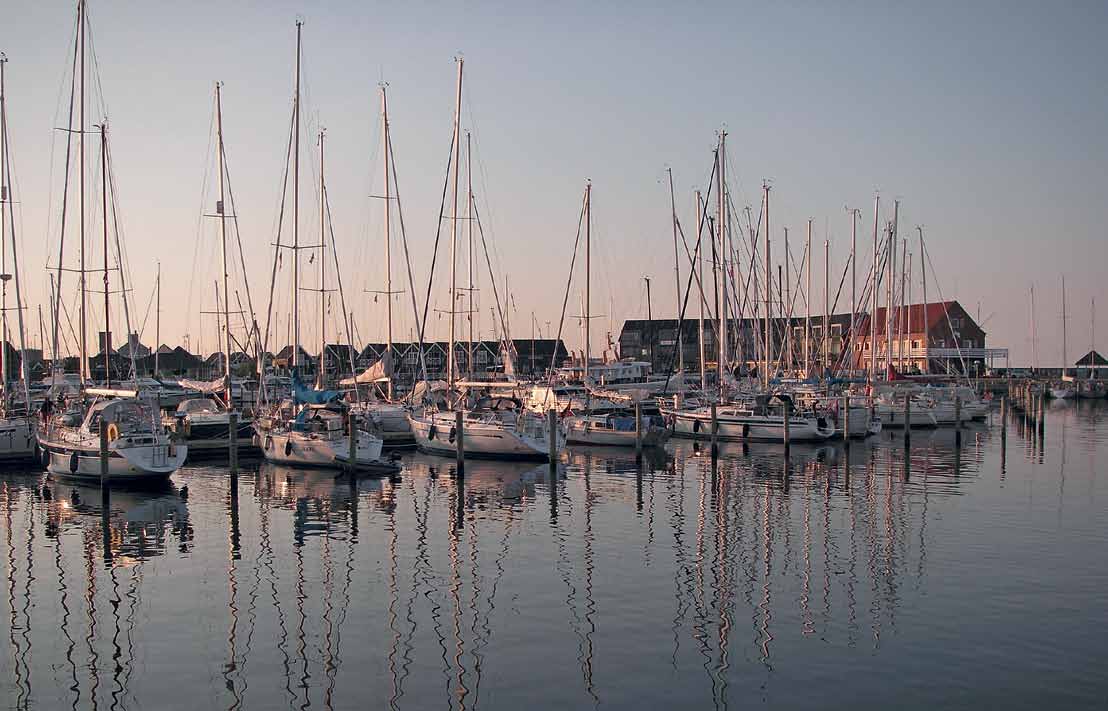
{"x": 1064, "y": 390}
{"x": 314, "y": 427}
{"x": 494, "y": 427}
{"x": 388, "y": 420}
{"x": 70, "y": 430}
{"x": 604, "y": 427}
{"x": 17, "y": 428}
{"x": 204, "y": 423}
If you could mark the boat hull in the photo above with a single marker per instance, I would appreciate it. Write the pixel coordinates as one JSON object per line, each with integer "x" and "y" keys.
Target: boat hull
{"x": 435, "y": 435}
{"x": 125, "y": 464}
{"x": 306, "y": 450}
{"x": 753, "y": 428}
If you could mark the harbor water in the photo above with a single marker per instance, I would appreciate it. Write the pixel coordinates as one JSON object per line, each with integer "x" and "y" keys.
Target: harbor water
{"x": 940, "y": 576}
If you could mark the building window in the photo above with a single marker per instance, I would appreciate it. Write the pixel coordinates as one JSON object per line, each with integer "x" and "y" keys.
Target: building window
{"x": 915, "y": 345}
{"x": 968, "y": 343}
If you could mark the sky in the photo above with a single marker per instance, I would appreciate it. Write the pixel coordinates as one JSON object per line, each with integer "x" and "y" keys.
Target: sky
{"x": 986, "y": 120}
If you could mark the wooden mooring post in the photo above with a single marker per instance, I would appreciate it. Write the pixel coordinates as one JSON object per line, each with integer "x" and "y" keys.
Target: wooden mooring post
{"x": 552, "y": 436}
{"x": 957, "y": 419}
{"x": 459, "y": 441}
{"x": 785, "y": 429}
{"x": 638, "y": 429}
{"x": 846, "y": 420}
{"x": 907, "y": 421}
{"x": 233, "y": 442}
{"x": 715, "y": 430}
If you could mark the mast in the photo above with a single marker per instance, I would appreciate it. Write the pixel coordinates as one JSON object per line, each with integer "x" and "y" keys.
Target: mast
{"x": 808, "y": 303}
{"x": 853, "y": 277}
{"x": 454, "y": 224}
{"x": 322, "y": 270}
{"x": 908, "y": 309}
{"x": 157, "y": 316}
{"x": 677, "y": 278}
{"x": 220, "y": 208}
{"x": 721, "y": 229}
{"x": 1064, "y": 361}
{"x": 769, "y": 294}
{"x": 388, "y": 232}
{"x": 81, "y": 21}
{"x": 926, "y": 322}
{"x": 902, "y": 311}
{"x": 469, "y": 234}
{"x": 296, "y": 210}
{"x": 4, "y": 199}
{"x": 787, "y": 309}
{"x": 588, "y": 277}
{"x": 107, "y": 348}
{"x": 826, "y": 304}
{"x": 892, "y": 280}
{"x": 873, "y": 289}
{"x": 700, "y": 268}
{"x": 1034, "y": 335}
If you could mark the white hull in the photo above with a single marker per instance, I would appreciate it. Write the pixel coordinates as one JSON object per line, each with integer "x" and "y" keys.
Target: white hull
{"x": 859, "y": 423}
{"x": 17, "y": 439}
{"x": 389, "y": 422}
{"x": 434, "y": 434}
{"x": 751, "y": 428}
{"x": 303, "y": 449}
{"x": 580, "y": 430}
{"x": 125, "y": 464}
{"x": 920, "y": 415}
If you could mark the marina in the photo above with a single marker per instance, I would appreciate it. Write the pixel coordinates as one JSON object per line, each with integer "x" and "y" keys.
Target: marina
{"x": 678, "y": 577}
{"x": 592, "y": 402}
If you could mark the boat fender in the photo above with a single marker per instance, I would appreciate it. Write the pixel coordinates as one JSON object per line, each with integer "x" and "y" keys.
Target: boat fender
{"x": 433, "y": 432}
{"x": 696, "y": 426}
{"x": 453, "y": 434}
{"x": 73, "y": 463}
{"x": 746, "y": 430}
{"x": 288, "y": 447}
{"x": 268, "y": 443}
{"x": 44, "y": 457}
{"x": 113, "y": 432}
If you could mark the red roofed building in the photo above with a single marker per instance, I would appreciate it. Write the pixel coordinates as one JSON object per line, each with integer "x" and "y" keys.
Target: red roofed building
{"x": 933, "y": 337}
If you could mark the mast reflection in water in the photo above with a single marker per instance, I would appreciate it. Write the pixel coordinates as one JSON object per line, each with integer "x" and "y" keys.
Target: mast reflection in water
{"x": 970, "y": 575}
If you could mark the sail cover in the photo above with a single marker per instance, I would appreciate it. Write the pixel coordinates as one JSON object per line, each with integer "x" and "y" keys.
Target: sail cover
{"x": 303, "y": 394}
{"x": 378, "y": 372}
{"x": 207, "y": 387}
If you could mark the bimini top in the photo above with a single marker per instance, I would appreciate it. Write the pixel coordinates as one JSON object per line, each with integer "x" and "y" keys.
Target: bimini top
{"x": 122, "y": 411}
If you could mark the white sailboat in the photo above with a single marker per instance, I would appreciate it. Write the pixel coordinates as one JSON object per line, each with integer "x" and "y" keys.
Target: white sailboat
{"x": 70, "y": 431}
{"x": 17, "y": 423}
{"x": 494, "y": 427}
{"x": 1064, "y": 390}
{"x": 204, "y": 422}
{"x": 313, "y": 428}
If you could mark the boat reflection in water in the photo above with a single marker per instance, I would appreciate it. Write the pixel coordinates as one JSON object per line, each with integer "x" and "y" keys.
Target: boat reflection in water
{"x": 678, "y": 577}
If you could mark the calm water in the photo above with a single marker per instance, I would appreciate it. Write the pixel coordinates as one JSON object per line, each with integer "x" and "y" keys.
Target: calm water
{"x": 970, "y": 577}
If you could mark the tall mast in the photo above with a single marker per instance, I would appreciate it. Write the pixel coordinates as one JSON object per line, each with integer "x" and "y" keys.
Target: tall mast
{"x": 926, "y": 321}
{"x": 1034, "y": 335}
{"x": 699, "y": 266}
{"x": 454, "y": 223}
{"x": 769, "y": 293}
{"x": 84, "y": 365}
{"x": 892, "y": 280}
{"x": 4, "y": 180}
{"x": 322, "y": 270}
{"x": 853, "y": 277}
{"x": 388, "y": 232}
{"x": 721, "y": 229}
{"x": 588, "y": 277}
{"x": 908, "y": 308}
{"x": 469, "y": 235}
{"x": 808, "y": 302}
{"x": 6, "y": 197}
{"x": 676, "y": 277}
{"x": 1064, "y": 361}
{"x": 873, "y": 289}
{"x": 787, "y": 309}
{"x": 902, "y": 311}
{"x": 157, "y": 316}
{"x": 826, "y": 304}
{"x": 104, "y": 209}
{"x": 221, "y": 211}
{"x": 296, "y": 210}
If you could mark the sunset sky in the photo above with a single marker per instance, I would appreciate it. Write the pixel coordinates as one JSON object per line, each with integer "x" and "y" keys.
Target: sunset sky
{"x": 987, "y": 121}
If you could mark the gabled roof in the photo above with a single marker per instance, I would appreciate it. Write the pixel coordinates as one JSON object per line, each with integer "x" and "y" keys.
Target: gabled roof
{"x": 937, "y": 313}
{"x": 1092, "y": 358}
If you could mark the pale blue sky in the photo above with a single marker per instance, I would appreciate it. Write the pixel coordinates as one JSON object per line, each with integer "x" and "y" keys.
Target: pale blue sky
{"x": 986, "y": 119}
